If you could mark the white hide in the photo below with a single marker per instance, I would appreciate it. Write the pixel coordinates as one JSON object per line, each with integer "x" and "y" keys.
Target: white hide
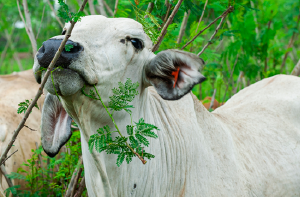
{"x": 248, "y": 147}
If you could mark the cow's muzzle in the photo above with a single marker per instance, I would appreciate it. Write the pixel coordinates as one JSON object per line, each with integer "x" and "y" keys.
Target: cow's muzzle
{"x": 47, "y": 51}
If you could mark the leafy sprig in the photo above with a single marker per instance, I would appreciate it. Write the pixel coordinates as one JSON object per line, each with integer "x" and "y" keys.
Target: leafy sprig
{"x": 126, "y": 147}
{"x": 67, "y": 15}
{"x": 23, "y": 106}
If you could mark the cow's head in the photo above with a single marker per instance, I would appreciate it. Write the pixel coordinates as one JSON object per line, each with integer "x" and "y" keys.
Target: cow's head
{"x": 106, "y": 51}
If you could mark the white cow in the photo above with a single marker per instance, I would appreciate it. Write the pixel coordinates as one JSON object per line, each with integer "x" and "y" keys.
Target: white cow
{"x": 248, "y": 147}
{"x": 16, "y": 88}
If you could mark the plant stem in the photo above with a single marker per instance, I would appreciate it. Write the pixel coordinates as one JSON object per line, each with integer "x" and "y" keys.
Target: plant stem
{"x": 229, "y": 9}
{"x": 164, "y": 30}
{"x": 143, "y": 161}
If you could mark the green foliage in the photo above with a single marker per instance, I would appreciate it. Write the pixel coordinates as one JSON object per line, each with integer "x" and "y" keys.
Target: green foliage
{"x": 122, "y": 145}
{"x": 67, "y": 15}
{"x": 23, "y": 106}
{"x": 52, "y": 177}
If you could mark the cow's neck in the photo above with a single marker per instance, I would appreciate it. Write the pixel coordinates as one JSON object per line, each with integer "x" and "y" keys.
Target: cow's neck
{"x": 190, "y": 145}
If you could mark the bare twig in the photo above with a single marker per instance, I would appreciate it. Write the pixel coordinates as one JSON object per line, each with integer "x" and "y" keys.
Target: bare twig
{"x": 8, "y": 157}
{"x": 108, "y": 8}
{"x": 28, "y": 25}
{"x": 164, "y": 30}
{"x": 73, "y": 182}
{"x": 40, "y": 91}
{"x": 37, "y": 35}
{"x": 149, "y": 8}
{"x": 291, "y": 42}
{"x": 116, "y": 8}
{"x": 8, "y": 180}
{"x": 165, "y": 18}
{"x": 212, "y": 37}
{"x": 29, "y": 128}
{"x": 212, "y": 100}
{"x": 183, "y": 26}
{"x": 241, "y": 75}
{"x": 8, "y": 38}
{"x": 76, "y": 181}
{"x": 101, "y": 7}
{"x": 255, "y": 19}
{"x": 201, "y": 16}
{"x": 236, "y": 60}
{"x": 81, "y": 188}
{"x": 223, "y": 15}
{"x": 56, "y": 17}
{"x": 91, "y": 7}
{"x": 296, "y": 70}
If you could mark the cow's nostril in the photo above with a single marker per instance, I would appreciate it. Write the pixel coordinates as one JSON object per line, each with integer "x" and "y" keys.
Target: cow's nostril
{"x": 49, "y": 48}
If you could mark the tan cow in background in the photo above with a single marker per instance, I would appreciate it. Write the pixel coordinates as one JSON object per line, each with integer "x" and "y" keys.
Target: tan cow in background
{"x": 16, "y": 88}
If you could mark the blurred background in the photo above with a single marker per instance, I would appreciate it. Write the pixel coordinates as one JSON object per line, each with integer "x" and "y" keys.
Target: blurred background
{"x": 258, "y": 39}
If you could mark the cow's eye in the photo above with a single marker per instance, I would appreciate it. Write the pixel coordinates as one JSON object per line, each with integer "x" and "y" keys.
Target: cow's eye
{"x": 137, "y": 43}
{"x": 63, "y": 32}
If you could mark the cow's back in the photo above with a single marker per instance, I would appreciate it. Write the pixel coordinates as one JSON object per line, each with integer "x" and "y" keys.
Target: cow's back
{"x": 14, "y": 89}
{"x": 264, "y": 120}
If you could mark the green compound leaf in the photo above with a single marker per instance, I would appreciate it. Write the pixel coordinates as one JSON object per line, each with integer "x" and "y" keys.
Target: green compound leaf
{"x": 142, "y": 139}
{"x": 100, "y": 131}
{"x": 129, "y": 156}
{"x": 120, "y": 159}
{"x": 148, "y": 155}
{"x": 129, "y": 129}
{"x": 134, "y": 142}
{"x": 68, "y": 47}
{"x": 23, "y": 106}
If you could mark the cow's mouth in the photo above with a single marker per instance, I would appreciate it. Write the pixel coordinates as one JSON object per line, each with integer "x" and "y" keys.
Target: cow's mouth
{"x": 68, "y": 75}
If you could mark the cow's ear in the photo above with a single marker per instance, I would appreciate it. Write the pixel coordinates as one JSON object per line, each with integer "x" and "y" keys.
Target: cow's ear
{"x": 174, "y": 73}
{"x": 56, "y": 125}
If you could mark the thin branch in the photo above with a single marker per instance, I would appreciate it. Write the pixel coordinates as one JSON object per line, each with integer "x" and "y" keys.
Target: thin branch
{"x": 201, "y": 16}
{"x": 8, "y": 38}
{"x": 108, "y": 8}
{"x": 212, "y": 100}
{"x": 164, "y": 30}
{"x": 28, "y": 25}
{"x": 296, "y": 70}
{"x": 165, "y": 18}
{"x": 76, "y": 181}
{"x": 40, "y": 91}
{"x": 235, "y": 63}
{"x": 8, "y": 180}
{"x": 116, "y": 8}
{"x": 29, "y": 128}
{"x": 8, "y": 157}
{"x": 80, "y": 188}
{"x": 101, "y": 7}
{"x": 37, "y": 35}
{"x": 212, "y": 37}
{"x": 149, "y": 8}
{"x": 91, "y": 7}
{"x": 241, "y": 75}
{"x": 73, "y": 182}
{"x": 223, "y": 15}
{"x": 183, "y": 26}
{"x": 56, "y": 17}
{"x": 291, "y": 42}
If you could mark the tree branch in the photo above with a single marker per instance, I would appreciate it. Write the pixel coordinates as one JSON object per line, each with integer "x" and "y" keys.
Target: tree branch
{"x": 74, "y": 179}
{"x": 8, "y": 38}
{"x": 149, "y": 8}
{"x": 91, "y": 7}
{"x": 80, "y": 188}
{"x": 108, "y": 8}
{"x": 101, "y": 7}
{"x": 116, "y": 8}
{"x": 212, "y": 100}
{"x": 183, "y": 26}
{"x": 296, "y": 70}
{"x": 201, "y": 16}
{"x": 37, "y": 35}
{"x": 8, "y": 157}
{"x": 56, "y": 17}
{"x": 8, "y": 180}
{"x": 40, "y": 91}
{"x": 28, "y": 26}
{"x": 223, "y": 15}
{"x": 164, "y": 30}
